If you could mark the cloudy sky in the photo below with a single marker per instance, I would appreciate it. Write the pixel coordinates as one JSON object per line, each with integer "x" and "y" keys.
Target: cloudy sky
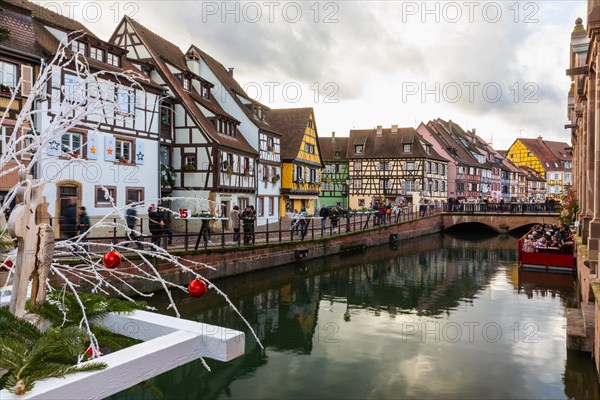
{"x": 498, "y": 67}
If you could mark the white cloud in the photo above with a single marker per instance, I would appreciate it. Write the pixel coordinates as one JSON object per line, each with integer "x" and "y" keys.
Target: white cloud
{"x": 367, "y": 58}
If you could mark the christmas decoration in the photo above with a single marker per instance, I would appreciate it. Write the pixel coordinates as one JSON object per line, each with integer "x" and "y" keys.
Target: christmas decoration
{"x": 197, "y": 288}
{"x": 111, "y": 260}
{"x": 8, "y": 264}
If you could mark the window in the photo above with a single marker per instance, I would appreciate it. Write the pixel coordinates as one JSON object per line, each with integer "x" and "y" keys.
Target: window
{"x": 5, "y": 138}
{"x": 189, "y": 161}
{"x": 435, "y": 186}
{"x": 126, "y": 100}
{"x": 71, "y": 143}
{"x": 357, "y": 166}
{"x": 97, "y": 54}
{"x": 435, "y": 168}
{"x": 78, "y": 47}
{"x": 410, "y": 166}
{"x": 338, "y": 154}
{"x": 428, "y": 167}
{"x": 328, "y": 169}
{"x": 313, "y": 175}
{"x": 407, "y": 148}
{"x": 555, "y": 165}
{"x": 428, "y": 149}
{"x": 123, "y": 150}
{"x": 357, "y": 184}
{"x": 113, "y": 59}
{"x": 442, "y": 186}
{"x": 309, "y": 148}
{"x": 165, "y": 116}
{"x": 205, "y": 92}
{"x": 186, "y": 84}
{"x": 384, "y": 184}
{"x": 311, "y": 123}
{"x": 103, "y": 199}
{"x": 271, "y": 206}
{"x": 361, "y": 203}
{"x": 299, "y": 173}
{"x": 409, "y": 187}
{"x": 358, "y": 149}
{"x": 8, "y": 74}
{"x": 260, "y": 204}
{"x": 135, "y": 195}
{"x": 73, "y": 89}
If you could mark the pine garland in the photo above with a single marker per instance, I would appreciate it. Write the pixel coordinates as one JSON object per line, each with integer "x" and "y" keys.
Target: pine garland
{"x": 28, "y": 354}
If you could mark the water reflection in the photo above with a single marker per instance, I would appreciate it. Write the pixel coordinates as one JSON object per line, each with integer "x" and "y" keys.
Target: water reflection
{"x": 436, "y": 317}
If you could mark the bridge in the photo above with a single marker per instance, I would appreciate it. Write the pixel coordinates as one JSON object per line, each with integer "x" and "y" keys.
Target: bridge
{"x": 501, "y": 222}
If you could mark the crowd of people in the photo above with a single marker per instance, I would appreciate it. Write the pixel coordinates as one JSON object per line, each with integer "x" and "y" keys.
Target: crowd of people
{"x": 545, "y": 237}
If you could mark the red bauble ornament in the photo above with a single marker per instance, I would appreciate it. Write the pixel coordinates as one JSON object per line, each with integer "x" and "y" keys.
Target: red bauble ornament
{"x": 197, "y": 288}
{"x": 90, "y": 352}
{"x": 111, "y": 260}
{"x": 8, "y": 264}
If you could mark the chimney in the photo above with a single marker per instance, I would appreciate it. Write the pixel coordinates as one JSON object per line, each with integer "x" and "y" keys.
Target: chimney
{"x": 540, "y": 138}
{"x": 379, "y": 130}
{"x": 332, "y": 137}
{"x": 394, "y": 129}
{"x": 231, "y": 72}
{"x": 474, "y": 131}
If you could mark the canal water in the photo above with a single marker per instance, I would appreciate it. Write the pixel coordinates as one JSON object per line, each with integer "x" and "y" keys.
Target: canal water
{"x": 437, "y": 317}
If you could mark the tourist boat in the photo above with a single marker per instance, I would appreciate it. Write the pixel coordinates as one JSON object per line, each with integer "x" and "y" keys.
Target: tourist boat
{"x": 550, "y": 259}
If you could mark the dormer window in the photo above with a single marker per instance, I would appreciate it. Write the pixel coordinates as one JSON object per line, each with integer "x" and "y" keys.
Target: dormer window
{"x": 338, "y": 154}
{"x": 407, "y": 148}
{"x": 428, "y": 149}
{"x": 78, "y": 47}
{"x": 186, "y": 84}
{"x": 358, "y": 149}
{"x": 97, "y": 54}
{"x": 205, "y": 92}
{"x": 113, "y": 59}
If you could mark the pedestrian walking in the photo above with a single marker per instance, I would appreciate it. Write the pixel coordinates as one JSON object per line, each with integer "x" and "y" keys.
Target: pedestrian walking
{"x": 247, "y": 218}
{"x": 235, "y": 223}
{"x": 166, "y": 230}
{"x": 68, "y": 219}
{"x": 155, "y": 224}
{"x": 303, "y": 223}
{"x": 334, "y": 218}
{"x": 323, "y": 213}
{"x": 84, "y": 226}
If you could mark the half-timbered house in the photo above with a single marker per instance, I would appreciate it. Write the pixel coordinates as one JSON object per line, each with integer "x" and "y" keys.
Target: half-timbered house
{"x": 254, "y": 125}
{"x": 394, "y": 165}
{"x": 20, "y": 57}
{"x": 111, "y": 155}
{"x": 301, "y": 158}
{"x": 212, "y": 160}
{"x": 334, "y": 182}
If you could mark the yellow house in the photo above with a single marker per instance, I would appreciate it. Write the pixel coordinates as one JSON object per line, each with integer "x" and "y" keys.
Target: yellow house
{"x": 548, "y": 158}
{"x": 300, "y": 157}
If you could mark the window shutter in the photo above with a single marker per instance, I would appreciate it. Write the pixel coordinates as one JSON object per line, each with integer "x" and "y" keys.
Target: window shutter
{"x": 26, "y": 80}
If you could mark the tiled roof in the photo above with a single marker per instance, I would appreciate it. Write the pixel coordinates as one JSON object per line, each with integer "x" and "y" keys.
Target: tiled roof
{"x": 329, "y": 146}
{"x": 452, "y": 144}
{"x": 389, "y": 145}
{"x": 291, "y": 123}
{"x": 531, "y": 174}
{"x": 547, "y": 152}
{"x": 21, "y": 37}
{"x": 47, "y": 16}
{"x": 235, "y": 90}
{"x": 150, "y": 39}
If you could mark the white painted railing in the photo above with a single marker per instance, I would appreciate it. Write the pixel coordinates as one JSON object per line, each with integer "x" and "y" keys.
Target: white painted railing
{"x": 168, "y": 342}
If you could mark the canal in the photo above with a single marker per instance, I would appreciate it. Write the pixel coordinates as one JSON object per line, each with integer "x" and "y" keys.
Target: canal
{"x": 436, "y": 317}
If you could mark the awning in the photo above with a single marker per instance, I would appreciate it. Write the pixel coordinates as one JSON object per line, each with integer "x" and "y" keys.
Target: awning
{"x": 302, "y": 197}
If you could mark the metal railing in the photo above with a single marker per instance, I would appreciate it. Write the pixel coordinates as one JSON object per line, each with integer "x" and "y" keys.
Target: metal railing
{"x": 508, "y": 208}
{"x": 274, "y": 231}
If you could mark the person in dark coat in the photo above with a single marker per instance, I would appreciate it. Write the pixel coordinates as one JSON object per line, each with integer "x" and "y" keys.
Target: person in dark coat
{"x": 247, "y": 218}
{"x": 323, "y": 213}
{"x": 155, "y": 224}
{"x": 164, "y": 217}
{"x": 334, "y": 218}
{"x": 84, "y": 225}
{"x": 68, "y": 225}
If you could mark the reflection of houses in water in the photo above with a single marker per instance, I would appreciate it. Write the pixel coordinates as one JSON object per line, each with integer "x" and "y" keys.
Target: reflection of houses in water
{"x": 428, "y": 282}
